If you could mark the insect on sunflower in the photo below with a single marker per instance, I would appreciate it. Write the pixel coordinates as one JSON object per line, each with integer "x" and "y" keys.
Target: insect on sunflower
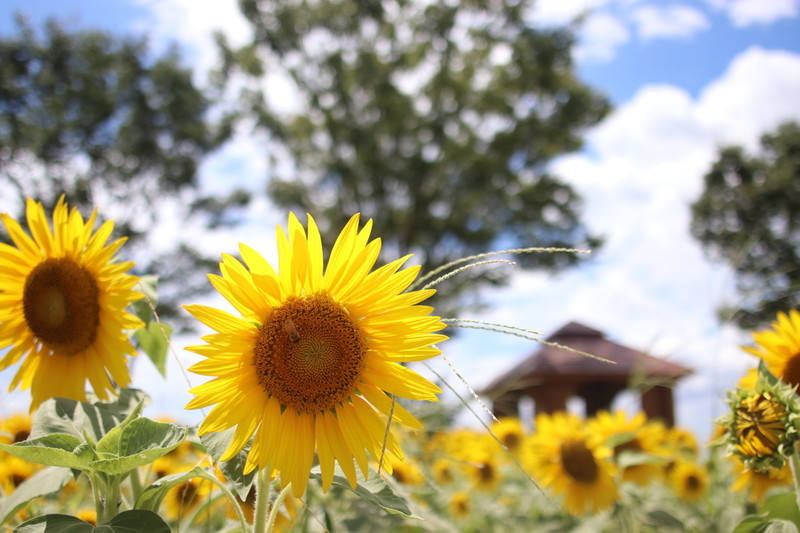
{"x": 310, "y": 364}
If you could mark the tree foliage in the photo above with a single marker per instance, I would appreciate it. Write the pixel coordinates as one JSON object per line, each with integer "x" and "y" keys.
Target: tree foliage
{"x": 749, "y": 216}
{"x": 437, "y": 119}
{"x": 98, "y": 118}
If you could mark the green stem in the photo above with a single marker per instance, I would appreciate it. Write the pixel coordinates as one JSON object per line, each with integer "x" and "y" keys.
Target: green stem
{"x": 263, "y": 485}
{"x": 98, "y": 502}
{"x": 136, "y": 484}
{"x": 794, "y": 463}
{"x": 273, "y": 515}
{"x": 112, "y": 500}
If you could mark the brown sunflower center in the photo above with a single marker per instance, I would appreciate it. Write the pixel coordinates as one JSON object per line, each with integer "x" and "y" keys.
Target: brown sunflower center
{"x": 791, "y": 372}
{"x": 310, "y": 353}
{"x": 578, "y": 461}
{"x": 692, "y": 483}
{"x": 61, "y": 305}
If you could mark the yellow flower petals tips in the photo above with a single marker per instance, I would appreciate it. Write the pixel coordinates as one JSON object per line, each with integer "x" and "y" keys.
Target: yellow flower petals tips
{"x": 307, "y": 367}
{"x": 62, "y": 305}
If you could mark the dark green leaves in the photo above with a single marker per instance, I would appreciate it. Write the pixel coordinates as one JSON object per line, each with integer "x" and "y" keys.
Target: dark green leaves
{"x": 135, "y": 521}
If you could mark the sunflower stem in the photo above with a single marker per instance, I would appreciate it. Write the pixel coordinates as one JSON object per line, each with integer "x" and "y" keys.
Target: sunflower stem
{"x": 794, "y": 463}
{"x": 263, "y": 486}
{"x": 273, "y": 514}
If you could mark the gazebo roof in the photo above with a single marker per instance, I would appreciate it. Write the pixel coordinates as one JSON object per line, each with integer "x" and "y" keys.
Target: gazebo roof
{"x": 552, "y": 364}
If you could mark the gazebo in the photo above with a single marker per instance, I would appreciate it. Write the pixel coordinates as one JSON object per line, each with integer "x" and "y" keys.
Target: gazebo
{"x": 552, "y": 375}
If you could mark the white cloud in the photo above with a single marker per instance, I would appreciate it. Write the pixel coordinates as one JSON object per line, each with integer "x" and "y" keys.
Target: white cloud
{"x": 748, "y": 12}
{"x": 668, "y": 21}
{"x": 600, "y": 36}
{"x": 560, "y": 12}
{"x": 192, "y": 23}
{"x": 757, "y": 92}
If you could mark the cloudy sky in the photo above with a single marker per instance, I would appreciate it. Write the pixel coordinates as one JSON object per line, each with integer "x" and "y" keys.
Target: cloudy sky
{"x": 685, "y": 77}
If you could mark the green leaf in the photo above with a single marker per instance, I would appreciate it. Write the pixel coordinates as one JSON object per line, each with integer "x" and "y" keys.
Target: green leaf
{"x": 151, "y": 497}
{"x": 665, "y": 519}
{"x": 58, "y": 449}
{"x": 55, "y": 523}
{"x": 782, "y": 506}
{"x": 140, "y": 443}
{"x": 60, "y": 415}
{"x": 216, "y": 444}
{"x": 154, "y": 340}
{"x": 632, "y": 458}
{"x": 144, "y": 308}
{"x": 45, "y": 481}
{"x": 373, "y": 490}
{"x": 751, "y": 524}
{"x": 135, "y": 521}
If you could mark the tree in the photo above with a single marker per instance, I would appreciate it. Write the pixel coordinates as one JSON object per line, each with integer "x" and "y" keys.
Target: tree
{"x": 749, "y": 216}
{"x": 437, "y": 119}
{"x": 94, "y": 117}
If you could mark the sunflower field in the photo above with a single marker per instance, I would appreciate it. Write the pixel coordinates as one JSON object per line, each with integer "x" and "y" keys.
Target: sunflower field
{"x": 314, "y": 420}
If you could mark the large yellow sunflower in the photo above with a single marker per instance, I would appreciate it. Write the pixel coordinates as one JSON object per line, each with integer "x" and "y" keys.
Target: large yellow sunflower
{"x": 564, "y": 457}
{"x": 316, "y": 354}
{"x": 62, "y": 305}
{"x": 779, "y": 347}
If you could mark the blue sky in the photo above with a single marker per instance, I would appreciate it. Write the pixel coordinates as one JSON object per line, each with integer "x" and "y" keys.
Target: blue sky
{"x": 685, "y": 77}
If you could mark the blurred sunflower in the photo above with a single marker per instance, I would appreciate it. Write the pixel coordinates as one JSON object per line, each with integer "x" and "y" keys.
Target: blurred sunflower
{"x": 460, "y": 504}
{"x": 62, "y": 305}
{"x": 779, "y": 347}
{"x": 182, "y": 499}
{"x": 405, "y": 472}
{"x": 564, "y": 457}
{"x": 510, "y": 432}
{"x": 758, "y": 483}
{"x": 13, "y": 472}
{"x": 15, "y": 428}
{"x": 635, "y": 438}
{"x": 316, "y": 355}
{"x": 689, "y": 480}
{"x": 484, "y": 471}
{"x": 443, "y": 471}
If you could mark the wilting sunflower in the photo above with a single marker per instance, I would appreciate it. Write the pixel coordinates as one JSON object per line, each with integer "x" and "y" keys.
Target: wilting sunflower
{"x": 779, "y": 347}
{"x": 564, "y": 457}
{"x": 311, "y": 363}
{"x": 62, "y": 305}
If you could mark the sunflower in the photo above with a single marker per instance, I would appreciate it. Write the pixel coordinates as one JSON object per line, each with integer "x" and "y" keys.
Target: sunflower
{"x": 689, "y": 480}
{"x": 316, "y": 355}
{"x": 460, "y": 504}
{"x": 62, "y": 305}
{"x": 635, "y": 438}
{"x": 510, "y": 432}
{"x": 564, "y": 457}
{"x": 779, "y": 347}
{"x": 15, "y": 428}
{"x": 758, "y": 483}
